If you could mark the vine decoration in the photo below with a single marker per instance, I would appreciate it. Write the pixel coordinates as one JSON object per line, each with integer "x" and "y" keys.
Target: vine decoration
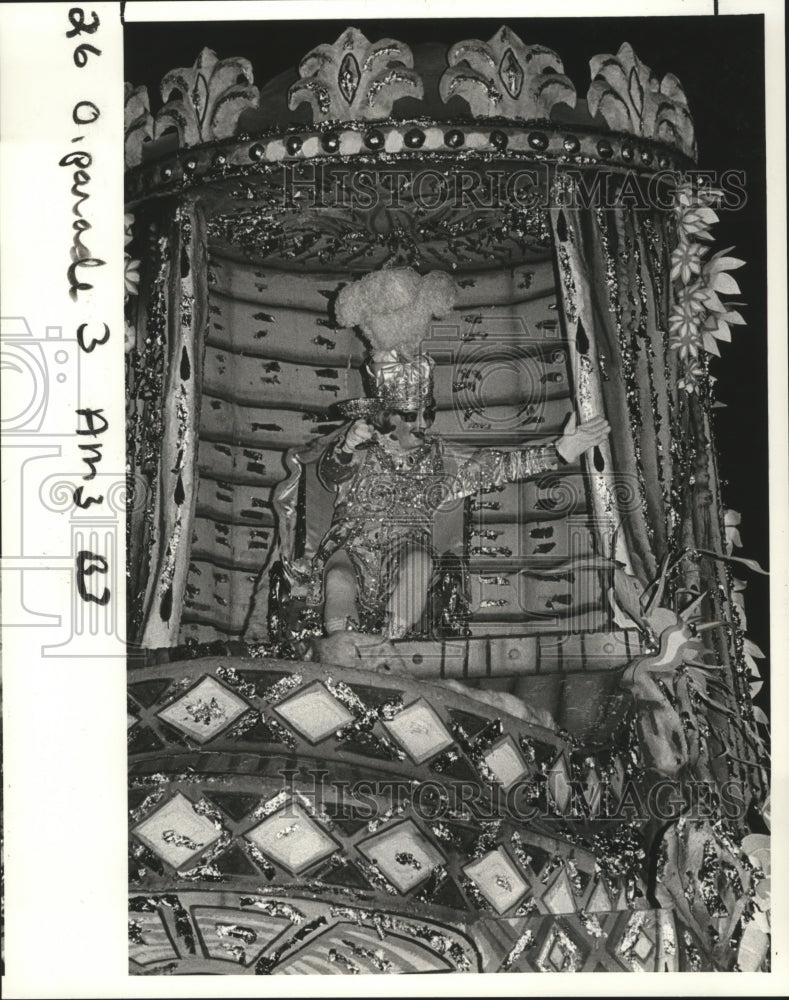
{"x": 699, "y": 318}
{"x": 753, "y": 951}
{"x": 713, "y": 873}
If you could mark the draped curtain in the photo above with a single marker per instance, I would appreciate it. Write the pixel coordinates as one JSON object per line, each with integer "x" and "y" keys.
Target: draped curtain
{"x": 655, "y": 485}
{"x": 165, "y": 402}
{"x": 613, "y": 266}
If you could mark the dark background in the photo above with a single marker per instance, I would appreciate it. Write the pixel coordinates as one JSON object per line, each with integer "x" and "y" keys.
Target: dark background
{"x": 720, "y": 62}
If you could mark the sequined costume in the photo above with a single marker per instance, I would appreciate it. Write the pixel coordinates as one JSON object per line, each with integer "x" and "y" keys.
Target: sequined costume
{"x": 387, "y": 499}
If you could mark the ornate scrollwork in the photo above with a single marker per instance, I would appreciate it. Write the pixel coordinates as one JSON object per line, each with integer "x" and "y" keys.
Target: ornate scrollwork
{"x": 355, "y": 78}
{"x": 137, "y": 123}
{"x": 631, "y": 98}
{"x": 351, "y": 237}
{"x": 504, "y": 77}
{"x": 204, "y": 102}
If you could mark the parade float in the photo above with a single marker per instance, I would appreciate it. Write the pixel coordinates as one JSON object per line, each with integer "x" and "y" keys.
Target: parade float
{"x": 563, "y": 776}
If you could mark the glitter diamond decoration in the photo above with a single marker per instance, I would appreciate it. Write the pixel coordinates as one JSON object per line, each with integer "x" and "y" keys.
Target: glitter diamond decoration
{"x": 599, "y": 901}
{"x": 559, "y": 788}
{"x": 511, "y": 73}
{"x": 559, "y": 897}
{"x": 176, "y": 833}
{"x": 205, "y": 710}
{"x": 348, "y": 77}
{"x": 314, "y": 713}
{"x": 292, "y": 838}
{"x": 497, "y": 879}
{"x": 559, "y": 953}
{"x": 404, "y": 855}
{"x": 556, "y": 956}
{"x": 505, "y": 762}
{"x": 643, "y": 947}
{"x": 419, "y": 731}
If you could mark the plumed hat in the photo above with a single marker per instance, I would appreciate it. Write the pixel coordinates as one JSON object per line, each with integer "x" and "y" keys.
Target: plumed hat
{"x": 393, "y": 309}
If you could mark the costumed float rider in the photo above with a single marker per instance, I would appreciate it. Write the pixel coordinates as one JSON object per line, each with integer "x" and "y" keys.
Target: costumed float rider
{"x": 374, "y": 567}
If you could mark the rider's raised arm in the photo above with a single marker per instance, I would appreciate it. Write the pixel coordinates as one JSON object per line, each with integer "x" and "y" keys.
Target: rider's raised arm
{"x": 472, "y": 469}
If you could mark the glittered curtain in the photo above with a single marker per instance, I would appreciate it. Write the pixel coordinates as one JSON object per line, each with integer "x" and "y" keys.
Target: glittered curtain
{"x": 613, "y": 265}
{"x": 170, "y": 345}
{"x": 663, "y": 487}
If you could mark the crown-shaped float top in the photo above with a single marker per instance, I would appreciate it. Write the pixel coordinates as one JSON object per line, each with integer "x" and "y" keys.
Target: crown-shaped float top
{"x": 355, "y": 78}
{"x": 203, "y": 102}
{"x": 504, "y": 77}
{"x": 630, "y": 98}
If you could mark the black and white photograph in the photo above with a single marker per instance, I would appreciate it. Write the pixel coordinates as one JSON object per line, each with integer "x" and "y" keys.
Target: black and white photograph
{"x": 444, "y": 502}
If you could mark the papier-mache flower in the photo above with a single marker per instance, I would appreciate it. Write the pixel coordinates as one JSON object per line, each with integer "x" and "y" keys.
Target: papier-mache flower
{"x": 698, "y": 317}
{"x": 686, "y": 261}
{"x": 131, "y": 275}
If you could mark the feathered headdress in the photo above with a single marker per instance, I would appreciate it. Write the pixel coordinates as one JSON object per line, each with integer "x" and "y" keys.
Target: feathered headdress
{"x": 393, "y": 310}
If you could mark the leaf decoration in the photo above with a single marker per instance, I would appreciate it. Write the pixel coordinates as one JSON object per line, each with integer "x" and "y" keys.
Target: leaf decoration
{"x": 628, "y": 95}
{"x": 505, "y": 77}
{"x": 137, "y": 123}
{"x": 699, "y": 318}
{"x": 204, "y": 102}
{"x": 708, "y": 878}
{"x": 750, "y": 563}
{"x": 354, "y": 78}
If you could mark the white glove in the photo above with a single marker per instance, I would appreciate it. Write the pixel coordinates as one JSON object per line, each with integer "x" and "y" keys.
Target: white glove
{"x": 578, "y": 438}
{"x": 359, "y": 432}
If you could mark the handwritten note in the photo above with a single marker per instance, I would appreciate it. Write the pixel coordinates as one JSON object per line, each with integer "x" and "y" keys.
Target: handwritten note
{"x": 90, "y": 420}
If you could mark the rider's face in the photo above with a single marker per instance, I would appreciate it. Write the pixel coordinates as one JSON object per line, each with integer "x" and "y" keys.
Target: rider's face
{"x": 409, "y": 427}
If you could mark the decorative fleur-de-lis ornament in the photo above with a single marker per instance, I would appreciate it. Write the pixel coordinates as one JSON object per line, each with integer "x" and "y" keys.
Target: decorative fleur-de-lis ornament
{"x": 204, "y": 102}
{"x": 503, "y": 77}
{"x": 137, "y": 123}
{"x": 630, "y": 97}
{"x": 355, "y": 79}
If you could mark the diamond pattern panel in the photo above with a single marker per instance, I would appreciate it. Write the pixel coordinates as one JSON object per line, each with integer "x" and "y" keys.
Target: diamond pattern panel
{"x": 292, "y": 839}
{"x": 419, "y": 731}
{"x": 176, "y": 833}
{"x": 205, "y": 710}
{"x": 403, "y": 854}
{"x": 315, "y": 713}
{"x": 559, "y": 897}
{"x": 559, "y": 953}
{"x": 498, "y": 880}
{"x": 506, "y": 762}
